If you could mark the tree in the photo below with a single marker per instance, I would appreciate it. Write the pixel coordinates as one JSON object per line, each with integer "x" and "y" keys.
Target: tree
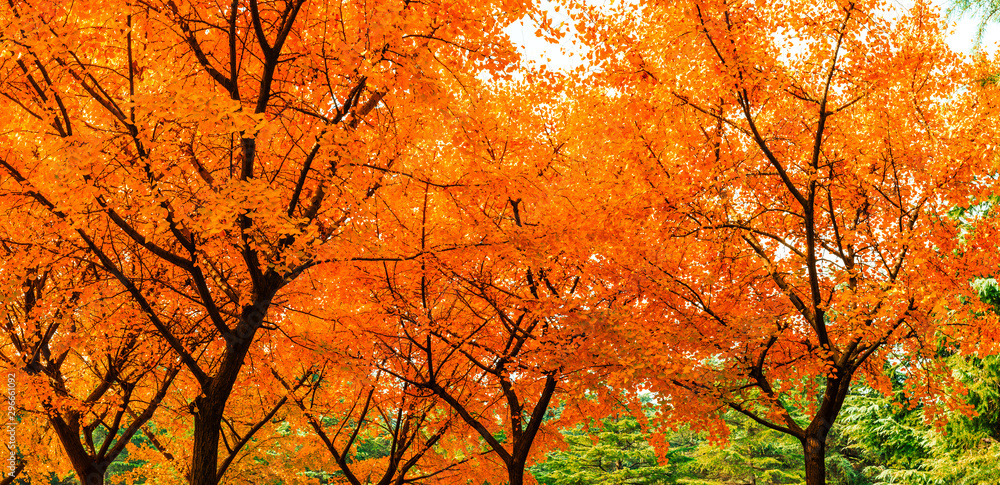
{"x": 787, "y": 172}
{"x": 753, "y": 454}
{"x": 76, "y": 350}
{"x": 379, "y": 432}
{"x": 615, "y": 451}
{"x": 488, "y": 376}
{"x": 900, "y": 445}
{"x": 207, "y": 155}
{"x": 490, "y": 317}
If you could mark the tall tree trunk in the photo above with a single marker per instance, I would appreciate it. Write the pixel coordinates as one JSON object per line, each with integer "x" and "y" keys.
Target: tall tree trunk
{"x": 207, "y": 426}
{"x": 212, "y": 404}
{"x": 814, "y": 447}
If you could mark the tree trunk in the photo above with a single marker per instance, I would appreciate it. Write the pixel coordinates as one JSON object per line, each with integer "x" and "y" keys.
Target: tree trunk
{"x": 814, "y": 447}
{"x": 515, "y": 474}
{"x": 89, "y": 471}
{"x": 207, "y": 425}
{"x": 211, "y": 406}
{"x": 94, "y": 475}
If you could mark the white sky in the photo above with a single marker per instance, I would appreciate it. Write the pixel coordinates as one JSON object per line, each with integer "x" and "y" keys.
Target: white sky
{"x": 565, "y": 55}
{"x": 965, "y": 32}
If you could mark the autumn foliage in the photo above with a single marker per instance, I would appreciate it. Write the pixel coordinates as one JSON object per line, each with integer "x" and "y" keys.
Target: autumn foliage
{"x": 309, "y": 242}
{"x": 788, "y": 228}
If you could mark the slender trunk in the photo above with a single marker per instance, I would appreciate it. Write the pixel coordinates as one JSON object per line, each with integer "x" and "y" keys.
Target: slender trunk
{"x": 10, "y": 477}
{"x": 211, "y": 406}
{"x": 814, "y": 438}
{"x": 522, "y": 445}
{"x": 207, "y": 425}
{"x": 814, "y": 447}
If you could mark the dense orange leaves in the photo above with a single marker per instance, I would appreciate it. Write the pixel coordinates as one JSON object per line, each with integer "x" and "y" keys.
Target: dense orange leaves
{"x": 789, "y": 171}
{"x": 200, "y": 157}
{"x": 243, "y": 230}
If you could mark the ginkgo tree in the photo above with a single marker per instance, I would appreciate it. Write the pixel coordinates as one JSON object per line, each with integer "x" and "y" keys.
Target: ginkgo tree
{"x": 785, "y": 173}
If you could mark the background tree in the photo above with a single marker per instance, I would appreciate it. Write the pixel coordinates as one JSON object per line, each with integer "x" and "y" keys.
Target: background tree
{"x": 986, "y": 10}
{"x": 616, "y": 450}
{"x": 753, "y": 454}
{"x": 786, "y": 213}
{"x": 79, "y": 354}
{"x": 491, "y": 313}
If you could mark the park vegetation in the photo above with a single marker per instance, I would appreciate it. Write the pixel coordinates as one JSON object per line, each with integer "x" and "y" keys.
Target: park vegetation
{"x": 316, "y": 241}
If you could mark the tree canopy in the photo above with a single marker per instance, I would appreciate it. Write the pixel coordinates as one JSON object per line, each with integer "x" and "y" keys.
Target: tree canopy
{"x": 296, "y": 241}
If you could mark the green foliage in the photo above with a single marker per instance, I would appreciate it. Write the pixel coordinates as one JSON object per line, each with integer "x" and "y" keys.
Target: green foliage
{"x": 891, "y": 438}
{"x": 989, "y": 292}
{"x": 892, "y": 444}
{"x": 618, "y": 453}
{"x": 966, "y": 450}
{"x": 754, "y": 454}
{"x": 988, "y": 12}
